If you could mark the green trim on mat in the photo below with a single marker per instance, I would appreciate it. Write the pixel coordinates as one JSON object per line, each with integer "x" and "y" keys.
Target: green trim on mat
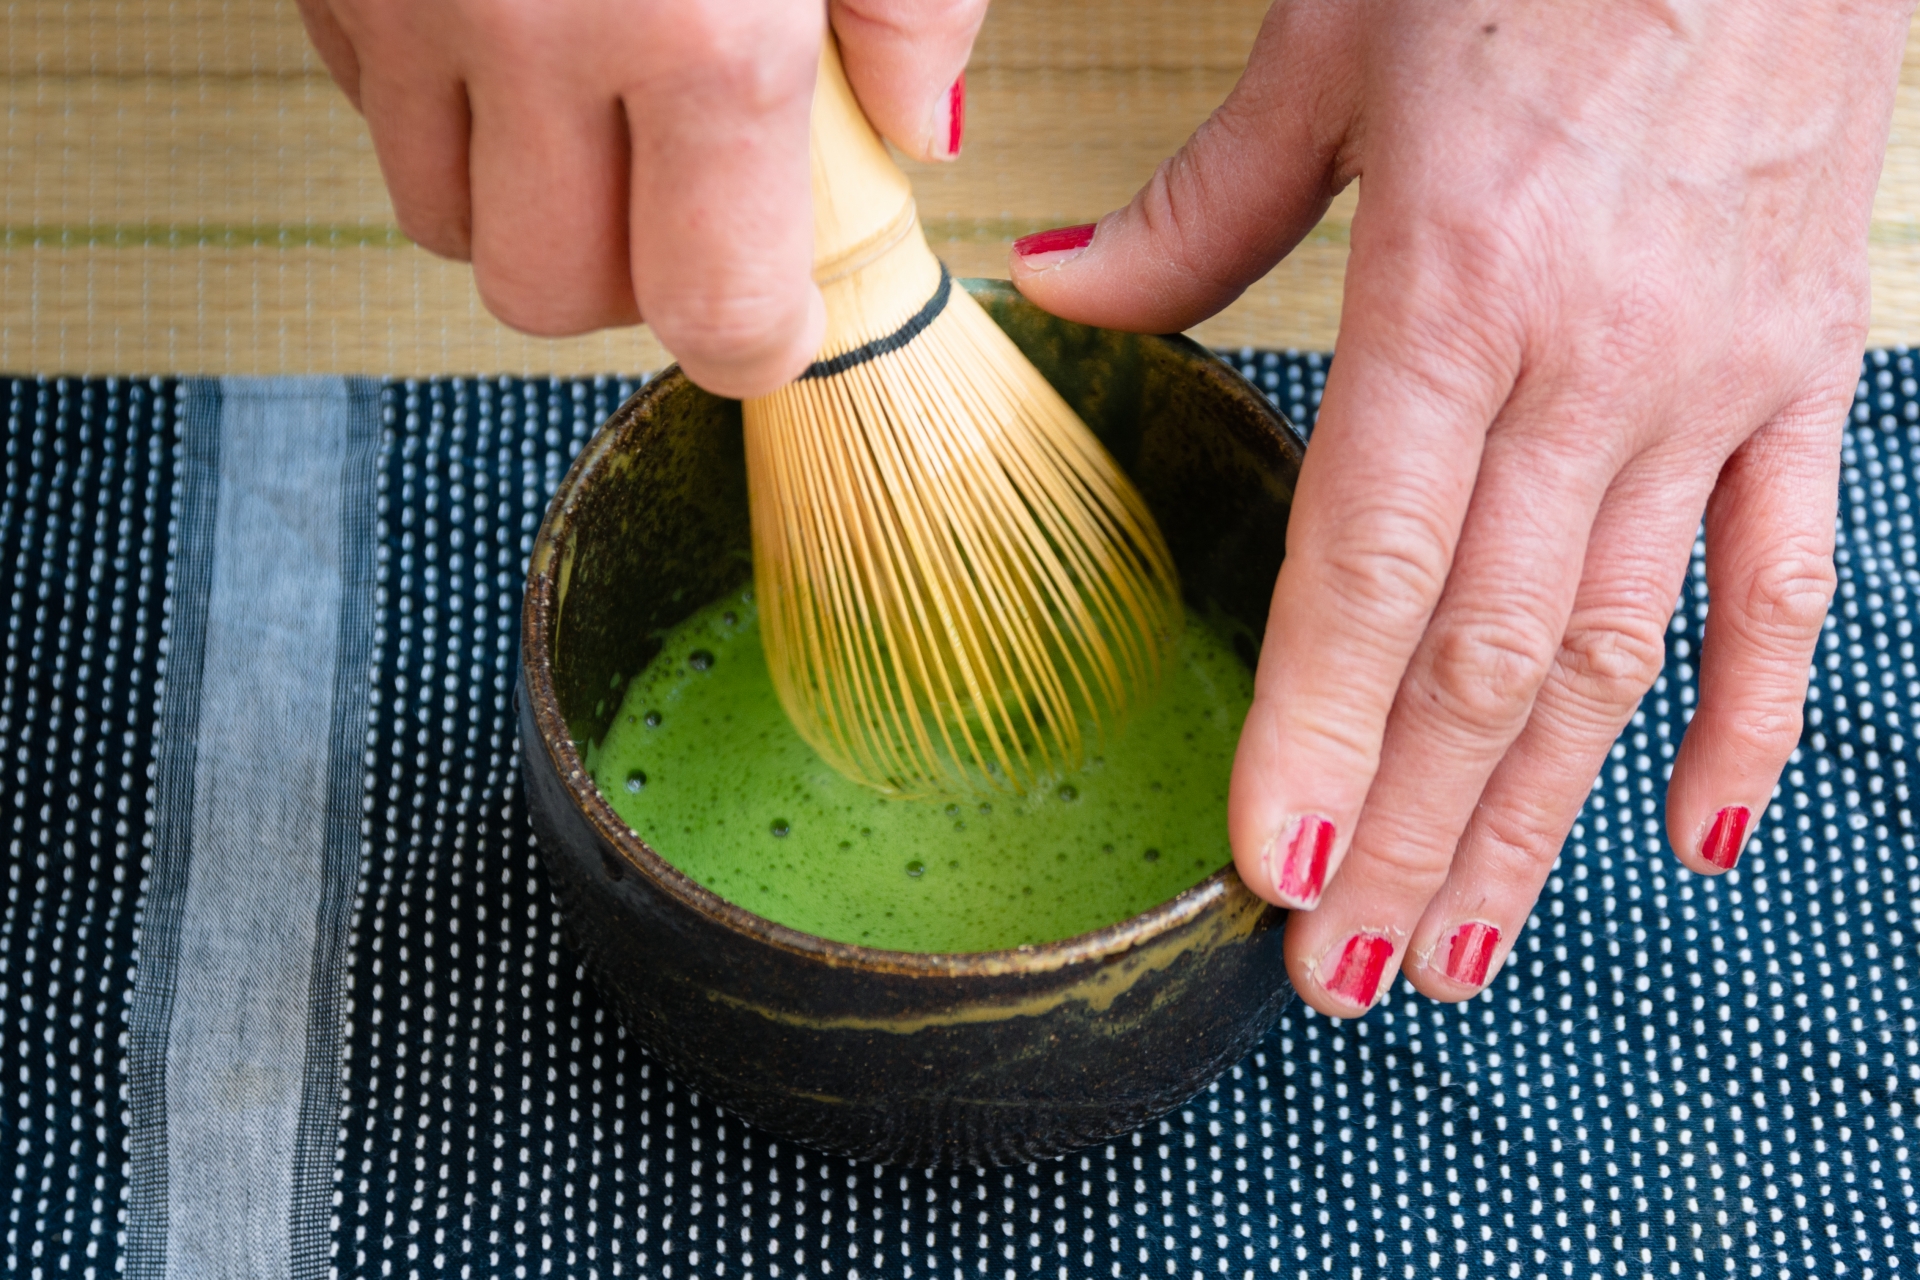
{"x": 1890, "y": 231}
{"x": 160, "y": 235}
{"x": 367, "y": 235}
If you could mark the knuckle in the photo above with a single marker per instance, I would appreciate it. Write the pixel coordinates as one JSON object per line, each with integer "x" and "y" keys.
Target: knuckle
{"x": 1772, "y": 727}
{"x": 1786, "y": 598}
{"x": 1820, "y": 410}
{"x": 1610, "y": 663}
{"x": 1454, "y": 354}
{"x": 1494, "y": 242}
{"x": 914, "y": 21}
{"x": 1177, "y": 211}
{"x": 445, "y": 235}
{"x": 511, "y": 24}
{"x": 1344, "y": 741}
{"x": 1390, "y": 564}
{"x": 534, "y": 307}
{"x": 1396, "y": 854}
{"x": 737, "y": 332}
{"x": 1514, "y": 845}
{"x": 757, "y": 66}
{"x": 1646, "y": 308}
{"x": 1484, "y": 673}
{"x": 1646, "y": 323}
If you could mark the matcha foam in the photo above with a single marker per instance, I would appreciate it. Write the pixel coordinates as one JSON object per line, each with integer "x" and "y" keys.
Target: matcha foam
{"x": 703, "y": 764}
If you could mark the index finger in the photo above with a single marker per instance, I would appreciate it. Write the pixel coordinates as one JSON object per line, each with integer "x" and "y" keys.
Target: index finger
{"x": 906, "y": 61}
{"x": 1370, "y": 541}
{"x": 721, "y": 221}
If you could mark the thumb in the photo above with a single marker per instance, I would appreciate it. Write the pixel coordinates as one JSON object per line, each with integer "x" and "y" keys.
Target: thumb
{"x": 1245, "y": 188}
{"x": 906, "y": 61}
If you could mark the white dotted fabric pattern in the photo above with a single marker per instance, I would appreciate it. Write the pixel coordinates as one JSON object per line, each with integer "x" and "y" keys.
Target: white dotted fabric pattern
{"x": 1674, "y": 1076}
{"x": 86, "y": 538}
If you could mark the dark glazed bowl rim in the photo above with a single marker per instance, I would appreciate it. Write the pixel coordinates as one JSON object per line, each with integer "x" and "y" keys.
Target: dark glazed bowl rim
{"x": 545, "y": 593}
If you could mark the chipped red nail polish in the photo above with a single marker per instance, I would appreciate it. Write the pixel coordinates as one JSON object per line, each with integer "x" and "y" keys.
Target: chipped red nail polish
{"x": 1300, "y": 870}
{"x": 1051, "y": 248}
{"x": 1726, "y": 836}
{"x": 1470, "y": 951}
{"x": 956, "y": 114}
{"x": 1356, "y": 978}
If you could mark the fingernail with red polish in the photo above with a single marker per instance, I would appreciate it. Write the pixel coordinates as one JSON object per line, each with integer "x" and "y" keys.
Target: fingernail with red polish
{"x": 1356, "y": 978}
{"x": 1470, "y": 951}
{"x": 1297, "y": 860}
{"x": 956, "y": 115}
{"x": 1044, "y": 249}
{"x": 1726, "y": 836}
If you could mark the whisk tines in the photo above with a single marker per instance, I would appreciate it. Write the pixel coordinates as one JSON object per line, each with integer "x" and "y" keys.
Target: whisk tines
{"x": 959, "y": 587}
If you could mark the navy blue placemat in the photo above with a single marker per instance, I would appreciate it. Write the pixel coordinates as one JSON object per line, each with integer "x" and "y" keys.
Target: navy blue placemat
{"x": 364, "y": 1007}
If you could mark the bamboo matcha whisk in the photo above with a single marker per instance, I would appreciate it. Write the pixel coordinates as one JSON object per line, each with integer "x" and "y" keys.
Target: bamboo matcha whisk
{"x": 959, "y": 589}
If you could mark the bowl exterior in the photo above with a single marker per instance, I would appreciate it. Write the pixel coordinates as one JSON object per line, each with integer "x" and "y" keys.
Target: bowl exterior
{"x": 901, "y": 1059}
{"x": 910, "y": 1067}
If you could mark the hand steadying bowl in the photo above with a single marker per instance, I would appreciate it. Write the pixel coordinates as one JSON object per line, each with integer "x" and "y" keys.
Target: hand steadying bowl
{"x": 897, "y": 1057}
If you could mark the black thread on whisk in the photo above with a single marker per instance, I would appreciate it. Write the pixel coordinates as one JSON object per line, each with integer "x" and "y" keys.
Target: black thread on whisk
{"x": 892, "y": 342}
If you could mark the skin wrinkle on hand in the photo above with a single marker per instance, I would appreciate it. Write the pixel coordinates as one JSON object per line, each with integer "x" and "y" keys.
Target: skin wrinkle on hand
{"x": 1648, "y": 231}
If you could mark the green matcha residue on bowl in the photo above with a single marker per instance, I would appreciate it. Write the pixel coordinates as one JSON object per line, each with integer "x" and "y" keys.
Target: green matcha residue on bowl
{"x": 703, "y": 764}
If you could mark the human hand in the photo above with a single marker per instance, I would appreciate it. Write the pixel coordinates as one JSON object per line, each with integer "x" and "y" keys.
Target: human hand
{"x": 602, "y": 162}
{"x": 1608, "y": 271}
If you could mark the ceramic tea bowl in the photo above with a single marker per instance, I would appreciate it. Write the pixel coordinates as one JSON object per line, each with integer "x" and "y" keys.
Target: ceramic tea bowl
{"x": 896, "y": 1057}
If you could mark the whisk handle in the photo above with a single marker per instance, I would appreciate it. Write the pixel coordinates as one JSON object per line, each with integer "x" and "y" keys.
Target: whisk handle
{"x": 862, "y": 202}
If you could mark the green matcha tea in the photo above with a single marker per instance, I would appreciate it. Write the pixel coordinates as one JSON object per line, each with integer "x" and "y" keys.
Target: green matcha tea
{"x": 702, "y": 763}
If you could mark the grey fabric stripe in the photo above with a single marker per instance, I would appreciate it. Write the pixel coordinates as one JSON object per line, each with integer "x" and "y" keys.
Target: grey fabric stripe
{"x": 318, "y": 1136}
{"x": 190, "y": 553}
{"x": 242, "y": 963}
